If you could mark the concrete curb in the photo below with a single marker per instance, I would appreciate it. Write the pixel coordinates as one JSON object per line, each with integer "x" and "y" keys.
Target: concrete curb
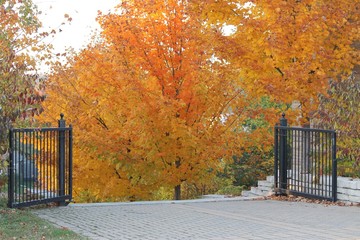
{"x": 203, "y": 200}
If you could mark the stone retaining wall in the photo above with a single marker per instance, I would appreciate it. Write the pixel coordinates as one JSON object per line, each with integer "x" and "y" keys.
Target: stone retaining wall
{"x": 348, "y": 189}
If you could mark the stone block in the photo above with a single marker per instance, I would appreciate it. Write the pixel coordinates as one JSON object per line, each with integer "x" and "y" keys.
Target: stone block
{"x": 355, "y": 184}
{"x": 265, "y": 189}
{"x": 270, "y": 179}
{"x": 355, "y": 199}
{"x": 256, "y": 191}
{"x": 248, "y": 194}
{"x": 348, "y": 191}
{"x": 265, "y": 184}
{"x": 344, "y": 182}
{"x": 342, "y": 197}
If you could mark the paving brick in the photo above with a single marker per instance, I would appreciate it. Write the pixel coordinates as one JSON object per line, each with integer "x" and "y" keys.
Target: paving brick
{"x": 199, "y": 220}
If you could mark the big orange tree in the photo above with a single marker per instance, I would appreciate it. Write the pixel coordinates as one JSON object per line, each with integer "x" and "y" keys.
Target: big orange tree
{"x": 152, "y": 101}
{"x": 165, "y": 95}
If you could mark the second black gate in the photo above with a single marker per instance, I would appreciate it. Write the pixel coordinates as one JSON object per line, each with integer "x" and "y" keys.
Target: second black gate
{"x": 305, "y": 161}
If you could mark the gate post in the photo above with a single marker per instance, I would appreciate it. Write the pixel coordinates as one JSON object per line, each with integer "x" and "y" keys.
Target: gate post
{"x": 61, "y": 148}
{"x": 11, "y": 171}
{"x": 334, "y": 169}
{"x": 283, "y": 153}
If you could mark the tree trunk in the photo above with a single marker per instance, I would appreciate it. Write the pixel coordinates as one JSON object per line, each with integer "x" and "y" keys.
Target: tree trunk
{"x": 177, "y": 189}
{"x": 177, "y": 192}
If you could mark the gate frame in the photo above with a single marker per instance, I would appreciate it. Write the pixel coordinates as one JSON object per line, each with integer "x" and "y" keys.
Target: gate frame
{"x": 280, "y": 161}
{"x": 63, "y": 198}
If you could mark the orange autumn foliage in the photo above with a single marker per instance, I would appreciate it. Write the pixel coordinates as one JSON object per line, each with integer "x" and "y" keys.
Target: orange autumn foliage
{"x": 162, "y": 97}
{"x": 289, "y": 49}
{"x": 150, "y": 102}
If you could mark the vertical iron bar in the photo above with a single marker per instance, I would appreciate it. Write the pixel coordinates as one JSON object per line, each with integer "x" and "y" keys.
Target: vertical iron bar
{"x": 54, "y": 158}
{"x": 303, "y": 159}
{"x": 330, "y": 160}
{"x": 26, "y": 165}
{"x": 299, "y": 159}
{"x": 17, "y": 174}
{"x": 17, "y": 171}
{"x": 328, "y": 157}
{"x": 309, "y": 169}
{"x": 276, "y": 167}
{"x": 288, "y": 159}
{"x": 45, "y": 149}
{"x": 61, "y": 147}
{"x": 11, "y": 170}
{"x": 298, "y": 156}
{"x": 318, "y": 154}
{"x": 312, "y": 158}
{"x": 52, "y": 162}
{"x": 283, "y": 158}
{"x": 46, "y": 163}
{"x": 321, "y": 152}
{"x": 334, "y": 169}
{"x": 289, "y": 156}
{"x": 36, "y": 162}
{"x": 296, "y": 161}
{"x": 295, "y": 167}
{"x": 70, "y": 160}
{"x": 311, "y": 163}
{"x": 327, "y": 160}
{"x": 21, "y": 176}
{"x": 49, "y": 159}
{"x": 50, "y": 148}
{"x": 29, "y": 153}
{"x": 41, "y": 180}
{"x": 33, "y": 166}
{"x": 66, "y": 162}
{"x": 319, "y": 162}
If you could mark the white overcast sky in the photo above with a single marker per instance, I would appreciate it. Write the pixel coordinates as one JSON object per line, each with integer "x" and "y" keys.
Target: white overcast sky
{"x": 83, "y": 13}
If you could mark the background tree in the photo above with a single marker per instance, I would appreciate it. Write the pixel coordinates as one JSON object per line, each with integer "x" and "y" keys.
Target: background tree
{"x": 152, "y": 99}
{"x": 20, "y": 47}
{"x": 286, "y": 49}
{"x": 340, "y": 111}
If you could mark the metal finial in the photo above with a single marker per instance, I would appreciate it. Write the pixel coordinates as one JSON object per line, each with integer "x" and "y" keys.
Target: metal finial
{"x": 61, "y": 116}
{"x": 283, "y": 120}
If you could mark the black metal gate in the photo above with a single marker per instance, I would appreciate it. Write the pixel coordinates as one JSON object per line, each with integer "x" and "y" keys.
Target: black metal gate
{"x": 305, "y": 162}
{"x": 40, "y": 168}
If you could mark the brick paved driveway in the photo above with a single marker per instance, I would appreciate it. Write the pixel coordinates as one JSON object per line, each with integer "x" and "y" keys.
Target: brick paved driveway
{"x": 260, "y": 219}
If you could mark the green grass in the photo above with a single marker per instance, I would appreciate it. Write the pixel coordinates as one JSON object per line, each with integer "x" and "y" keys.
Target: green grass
{"x": 231, "y": 190}
{"x": 22, "y": 224}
